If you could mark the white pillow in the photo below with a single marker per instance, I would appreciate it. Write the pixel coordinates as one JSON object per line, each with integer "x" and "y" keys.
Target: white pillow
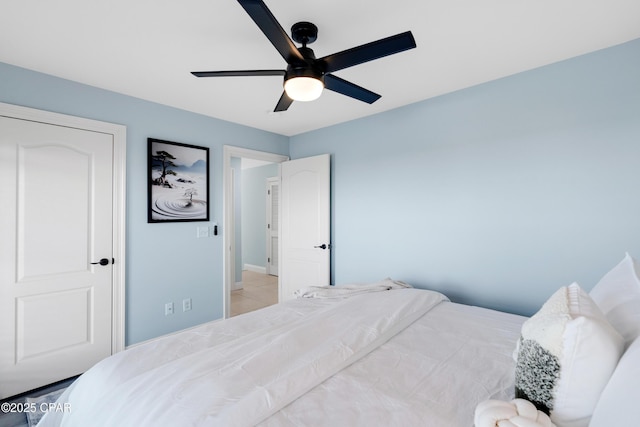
{"x": 619, "y": 404}
{"x": 565, "y": 357}
{"x": 618, "y": 296}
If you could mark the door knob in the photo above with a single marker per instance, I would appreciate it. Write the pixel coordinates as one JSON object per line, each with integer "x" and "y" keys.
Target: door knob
{"x": 103, "y": 261}
{"x": 323, "y": 246}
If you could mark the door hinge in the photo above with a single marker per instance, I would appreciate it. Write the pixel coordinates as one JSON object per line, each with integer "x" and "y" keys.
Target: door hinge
{"x": 268, "y": 259}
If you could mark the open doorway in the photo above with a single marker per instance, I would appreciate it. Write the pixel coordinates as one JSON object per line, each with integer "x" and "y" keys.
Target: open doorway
{"x": 256, "y": 285}
{"x": 250, "y": 279}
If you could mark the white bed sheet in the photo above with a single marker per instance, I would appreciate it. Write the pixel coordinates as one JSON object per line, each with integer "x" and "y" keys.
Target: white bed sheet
{"x": 432, "y": 373}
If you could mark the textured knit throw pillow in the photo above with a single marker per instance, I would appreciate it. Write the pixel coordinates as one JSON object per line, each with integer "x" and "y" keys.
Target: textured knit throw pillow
{"x": 565, "y": 356}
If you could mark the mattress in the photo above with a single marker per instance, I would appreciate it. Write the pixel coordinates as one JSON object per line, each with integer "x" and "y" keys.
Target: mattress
{"x": 402, "y": 357}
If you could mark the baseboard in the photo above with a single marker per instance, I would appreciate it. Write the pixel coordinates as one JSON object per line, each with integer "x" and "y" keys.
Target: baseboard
{"x": 255, "y": 268}
{"x": 236, "y": 286}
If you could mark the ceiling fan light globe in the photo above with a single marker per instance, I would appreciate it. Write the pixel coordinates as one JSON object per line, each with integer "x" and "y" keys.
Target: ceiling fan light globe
{"x": 303, "y": 88}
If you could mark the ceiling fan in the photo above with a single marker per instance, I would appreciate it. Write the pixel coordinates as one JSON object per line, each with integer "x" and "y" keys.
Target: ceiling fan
{"x": 306, "y": 76}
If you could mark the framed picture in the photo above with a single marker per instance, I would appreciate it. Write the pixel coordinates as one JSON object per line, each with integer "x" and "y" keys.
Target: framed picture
{"x": 178, "y": 176}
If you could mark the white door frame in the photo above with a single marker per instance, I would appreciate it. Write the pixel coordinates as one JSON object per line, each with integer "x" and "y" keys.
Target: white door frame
{"x": 228, "y": 222}
{"x": 119, "y": 133}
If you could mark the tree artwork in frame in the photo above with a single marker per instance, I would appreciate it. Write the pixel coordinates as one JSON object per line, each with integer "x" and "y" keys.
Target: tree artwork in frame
{"x": 178, "y": 176}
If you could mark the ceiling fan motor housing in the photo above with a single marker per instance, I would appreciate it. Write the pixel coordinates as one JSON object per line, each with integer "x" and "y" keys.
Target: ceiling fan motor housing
{"x": 308, "y": 68}
{"x": 303, "y": 71}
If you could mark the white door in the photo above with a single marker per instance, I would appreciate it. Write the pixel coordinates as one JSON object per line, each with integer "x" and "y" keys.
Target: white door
{"x": 304, "y": 228}
{"x": 273, "y": 196}
{"x": 56, "y": 223}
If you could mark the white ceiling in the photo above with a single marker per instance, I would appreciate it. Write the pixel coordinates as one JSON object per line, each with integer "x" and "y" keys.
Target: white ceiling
{"x": 147, "y": 48}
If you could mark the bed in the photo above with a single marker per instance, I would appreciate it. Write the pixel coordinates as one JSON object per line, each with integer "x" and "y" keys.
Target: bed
{"x": 370, "y": 357}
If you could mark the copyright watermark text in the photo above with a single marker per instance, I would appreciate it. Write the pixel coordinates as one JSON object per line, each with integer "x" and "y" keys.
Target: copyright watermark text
{"x": 26, "y": 407}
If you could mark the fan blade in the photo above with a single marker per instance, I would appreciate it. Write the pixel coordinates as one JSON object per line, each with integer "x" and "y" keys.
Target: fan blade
{"x": 239, "y": 73}
{"x": 284, "y": 103}
{"x": 368, "y": 52}
{"x": 352, "y": 90}
{"x": 265, "y": 20}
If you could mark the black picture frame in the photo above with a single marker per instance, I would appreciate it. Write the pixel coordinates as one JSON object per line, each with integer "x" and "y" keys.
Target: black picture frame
{"x": 178, "y": 182}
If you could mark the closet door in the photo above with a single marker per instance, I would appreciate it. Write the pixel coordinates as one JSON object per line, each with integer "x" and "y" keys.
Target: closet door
{"x": 55, "y": 253}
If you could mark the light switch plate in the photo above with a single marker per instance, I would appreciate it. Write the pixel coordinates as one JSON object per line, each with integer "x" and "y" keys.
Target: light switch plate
{"x": 202, "y": 232}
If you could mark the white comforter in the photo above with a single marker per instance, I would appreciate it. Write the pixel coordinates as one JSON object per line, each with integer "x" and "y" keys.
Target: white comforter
{"x": 230, "y": 373}
{"x": 432, "y": 374}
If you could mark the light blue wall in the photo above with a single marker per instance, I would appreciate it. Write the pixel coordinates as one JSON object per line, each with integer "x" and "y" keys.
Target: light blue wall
{"x": 165, "y": 262}
{"x": 254, "y": 215}
{"x": 498, "y": 194}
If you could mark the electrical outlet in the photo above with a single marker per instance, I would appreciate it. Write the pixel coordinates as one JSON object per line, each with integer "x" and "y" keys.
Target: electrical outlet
{"x": 168, "y": 309}
{"x": 186, "y": 304}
